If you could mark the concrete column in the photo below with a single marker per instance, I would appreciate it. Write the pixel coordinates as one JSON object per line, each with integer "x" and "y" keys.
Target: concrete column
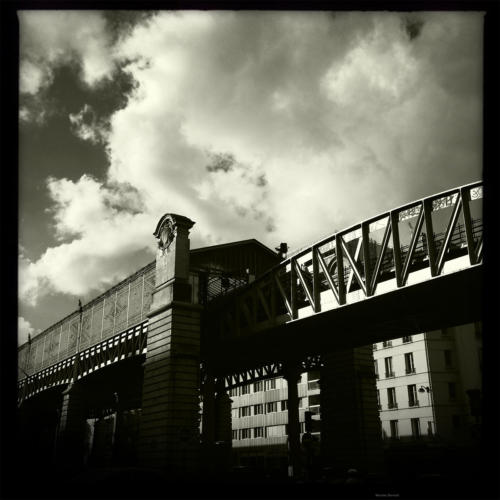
{"x": 169, "y": 430}
{"x": 71, "y": 428}
{"x": 350, "y": 424}
{"x": 292, "y": 376}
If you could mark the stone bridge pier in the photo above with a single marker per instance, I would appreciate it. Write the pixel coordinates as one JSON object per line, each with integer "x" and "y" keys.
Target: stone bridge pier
{"x": 169, "y": 436}
{"x": 350, "y": 425}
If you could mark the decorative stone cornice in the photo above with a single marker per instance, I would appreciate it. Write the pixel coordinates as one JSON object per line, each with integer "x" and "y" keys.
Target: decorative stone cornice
{"x": 167, "y": 229}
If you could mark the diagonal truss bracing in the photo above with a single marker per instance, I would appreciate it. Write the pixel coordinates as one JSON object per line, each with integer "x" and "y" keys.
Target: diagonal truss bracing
{"x": 268, "y": 371}
{"x": 394, "y": 248}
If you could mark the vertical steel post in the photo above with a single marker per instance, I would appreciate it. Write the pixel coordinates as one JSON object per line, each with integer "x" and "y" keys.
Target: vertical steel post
{"x": 431, "y": 246}
{"x": 365, "y": 235}
{"x": 465, "y": 195}
{"x": 316, "y": 282}
{"x": 340, "y": 269}
{"x": 293, "y": 289}
{"x": 396, "y": 247}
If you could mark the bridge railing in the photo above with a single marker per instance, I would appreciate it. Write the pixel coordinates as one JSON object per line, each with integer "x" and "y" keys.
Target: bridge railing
{"x": 128, "y": 343}
{"x": 417, "y": 241}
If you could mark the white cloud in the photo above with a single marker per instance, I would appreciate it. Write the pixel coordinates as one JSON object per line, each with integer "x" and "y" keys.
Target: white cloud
{"x": 87, "y": 126}
{"x": 24, "y": 329}
{"x": 99, "y": 228}
{"x": 30, "y": 77}
{"x": 329, "y": 119}
{"x": 49, "y": 38}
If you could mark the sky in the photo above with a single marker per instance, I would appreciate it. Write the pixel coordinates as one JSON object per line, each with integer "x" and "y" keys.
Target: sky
{"x": 279, "y": 126}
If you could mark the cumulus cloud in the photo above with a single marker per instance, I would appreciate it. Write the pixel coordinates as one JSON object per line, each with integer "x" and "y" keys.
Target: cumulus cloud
{"x": 87, "y": 126}
{"x": 50, "y": 38}
{"x": 279, "y": 126}
{"x": 24, "y": 329}
{"x": 99, "y": 229}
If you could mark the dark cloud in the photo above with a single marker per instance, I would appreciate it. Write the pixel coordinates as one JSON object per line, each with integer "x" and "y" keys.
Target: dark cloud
{"x": 413, "y": 27}
{"x": 221, "y": 161}
{"x": 121, "y": 22}
{"x": 261, "y": 180}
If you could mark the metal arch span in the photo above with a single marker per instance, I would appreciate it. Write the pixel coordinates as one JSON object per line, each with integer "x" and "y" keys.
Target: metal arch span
{"x": 436, "y": 236}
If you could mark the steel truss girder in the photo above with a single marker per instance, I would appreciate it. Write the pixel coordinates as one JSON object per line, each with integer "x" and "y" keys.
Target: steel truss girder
{"x": 128, "y": 343}
{"x": 268, "y": 371}
{"x": 333, "y": 264}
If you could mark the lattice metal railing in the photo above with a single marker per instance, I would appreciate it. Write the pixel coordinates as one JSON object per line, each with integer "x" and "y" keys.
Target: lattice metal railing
{"x": 418, "y": 241}
{"x": 130, "y": 342}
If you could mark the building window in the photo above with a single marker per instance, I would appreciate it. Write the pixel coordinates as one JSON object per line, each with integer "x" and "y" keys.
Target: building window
{"x": 258, "y": 386}
{"x": 415, "y": 428}
{"x": 235, "y": 413}
{"x": 374, "y": 347}
{"x": 375, "y": 364}
{"x": 412, "y": 395}
{"x": 301, "y": 402}
{"x": 234, "y": 433}
{"x": 258, "y": 409}
{"x": 394, "y": 429}
{"x": 379, "y": 406}
{"x": 245, "y": 433}
{"x": 448, "y": 363}
{"x": 407, "y": 339}
{"x": 270, "y": 384}
{"x": 271, "y": 407}
{"x": 245, "y": 411}
{"x": 391, "y": 397}
{"x": 245, "y": 389}
{"x": 284, "y": 405}
{"x": 259, "y": 432}
{"x": 409, "y": 365}
{"x": 388, "y": 367}
{"x": 452, "y": 390}
{"x": 233, "y": 392}
{"x": 387, "y": 343}
{"x": 276, "y": 431}
{"x": 312, "y": 386}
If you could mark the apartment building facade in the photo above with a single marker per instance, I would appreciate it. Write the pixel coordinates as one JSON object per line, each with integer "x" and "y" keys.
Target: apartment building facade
{"x": 428, "y": 389}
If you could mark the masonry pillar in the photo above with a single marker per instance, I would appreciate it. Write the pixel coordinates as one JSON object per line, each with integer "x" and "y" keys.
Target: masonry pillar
{"x": 208, "y": 423}
{"x": 350, "y": 424}
{"x": 71, "y": 428}
{"x": 169, "y": 430}
{"x": 292, "y": 376}
{"x": 223, "y": 434}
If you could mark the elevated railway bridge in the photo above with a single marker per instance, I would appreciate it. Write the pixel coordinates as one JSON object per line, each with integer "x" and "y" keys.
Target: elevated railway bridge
{"x": 195, "y": 323}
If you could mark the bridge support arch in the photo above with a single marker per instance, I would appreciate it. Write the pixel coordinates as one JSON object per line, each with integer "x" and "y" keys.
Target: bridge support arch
{"x": 169, "y": 428}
